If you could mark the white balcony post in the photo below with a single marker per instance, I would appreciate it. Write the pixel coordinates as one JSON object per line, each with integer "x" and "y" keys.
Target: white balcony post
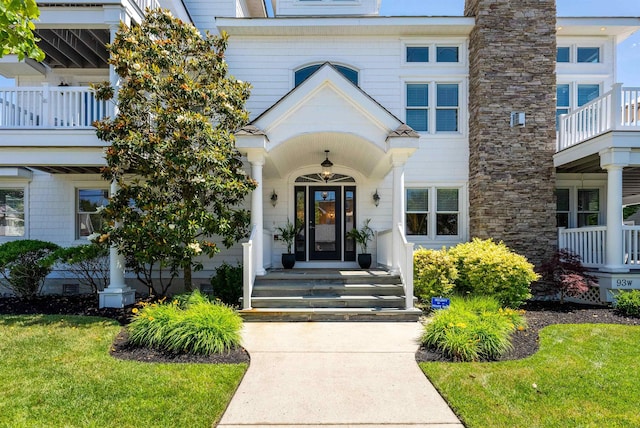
{"x": 616, "y": 106}
{"x": 613, "y": 161}
{"x": 257, "y": 161}
{"x": 46, "y": 109}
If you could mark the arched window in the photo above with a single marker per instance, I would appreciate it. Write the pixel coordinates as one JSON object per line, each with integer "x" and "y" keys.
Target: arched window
{"x": 304, "y": 73}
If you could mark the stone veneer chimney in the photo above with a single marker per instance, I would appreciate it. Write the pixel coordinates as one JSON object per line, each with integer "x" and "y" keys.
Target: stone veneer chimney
{"x": 512, "y": 53}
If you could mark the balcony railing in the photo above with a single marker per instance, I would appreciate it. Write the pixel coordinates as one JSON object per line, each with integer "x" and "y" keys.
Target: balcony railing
{"x": 143, "y": 4}
{"x": 50, "y": 107}
{"x": 590, "y": 244}
{"x": 616, "y": 110}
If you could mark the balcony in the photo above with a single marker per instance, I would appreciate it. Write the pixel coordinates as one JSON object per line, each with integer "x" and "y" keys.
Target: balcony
{"x": 590, "y": 244}
{"x": 616, "y": 110}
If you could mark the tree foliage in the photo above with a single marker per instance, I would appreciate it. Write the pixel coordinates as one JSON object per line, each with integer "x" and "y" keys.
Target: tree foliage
{"x": 172, "y": 149}
{"x": 16, "y": 29}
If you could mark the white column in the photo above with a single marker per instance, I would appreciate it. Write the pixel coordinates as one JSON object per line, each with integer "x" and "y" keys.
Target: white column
{"x": 117, "y": 294}
{"x": 397, "y": 216}
{"x": 257, "y": 162}
{"x": 614, "y": 252}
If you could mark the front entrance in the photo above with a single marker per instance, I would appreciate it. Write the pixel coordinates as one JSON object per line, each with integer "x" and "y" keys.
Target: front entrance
{"x": 325, "y": 214}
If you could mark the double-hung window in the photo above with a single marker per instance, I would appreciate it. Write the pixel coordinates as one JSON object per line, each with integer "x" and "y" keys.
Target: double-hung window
{"x": 445, "y": 206}
{"x": 12, "y": 212}
{"x": 420, "y": 115}
{"x": 563, "y": 102}
{"x": 588, "y": 207}
{"x": 447, "y": 212}
{"x": 563, "y": 207}
{"x": 447, "y": 107}
{"x": 417, "y": 211}
{"x": 89, "y": 202}
{"x": 418, "y": 106}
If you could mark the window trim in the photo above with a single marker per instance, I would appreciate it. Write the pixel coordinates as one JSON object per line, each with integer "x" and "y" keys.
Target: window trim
{"x": 301, "y": 67}
{"x": 18, "y": 185}
{"x": 76, "y": 206}
{"x": 432, "y": 104}
{"x": 433, "y": 45}
{"x": 573, "y": 53}
{"x": 432, "y": 233}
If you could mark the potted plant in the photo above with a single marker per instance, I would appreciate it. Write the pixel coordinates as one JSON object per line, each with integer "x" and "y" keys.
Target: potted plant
{"x": 288, "y": 234}
{"x": 362, "y": 237}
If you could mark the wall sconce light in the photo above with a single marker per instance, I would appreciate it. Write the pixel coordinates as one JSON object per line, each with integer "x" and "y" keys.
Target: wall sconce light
{"x": 326, "y": 167}
{"x": 376, "y": 198}
{"x": 517, "y": 119}
{"x": 274, "y": 198}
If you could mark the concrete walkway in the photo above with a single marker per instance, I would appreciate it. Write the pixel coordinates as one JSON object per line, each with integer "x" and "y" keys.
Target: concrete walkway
{"x": 335, "y": 375}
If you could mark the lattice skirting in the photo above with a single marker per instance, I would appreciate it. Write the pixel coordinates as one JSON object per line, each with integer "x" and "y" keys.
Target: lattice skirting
{"x": 591, "y": 296}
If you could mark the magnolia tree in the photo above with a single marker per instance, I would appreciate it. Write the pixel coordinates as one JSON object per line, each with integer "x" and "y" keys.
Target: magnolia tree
{"x": 16, "y": 29}
{"x": 181, "y": 180}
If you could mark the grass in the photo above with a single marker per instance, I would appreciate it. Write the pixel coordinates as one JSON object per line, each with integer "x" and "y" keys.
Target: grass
{"x": 56, "y": 371}
{"x": 583, "y": 376}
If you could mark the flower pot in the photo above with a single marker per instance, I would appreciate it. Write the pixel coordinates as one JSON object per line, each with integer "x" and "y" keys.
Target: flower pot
{"x": 364, "y": 260}
{"x": 288, "y": 261}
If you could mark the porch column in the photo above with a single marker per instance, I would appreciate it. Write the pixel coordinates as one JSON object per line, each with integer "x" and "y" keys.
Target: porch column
{"x": 613, "y": 161}
{"x": 257, "y": 162}
{"x": 398, "y": 209}
{"x": 117, "y": 294}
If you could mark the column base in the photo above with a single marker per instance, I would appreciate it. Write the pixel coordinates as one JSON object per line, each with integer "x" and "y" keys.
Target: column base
{"x": 116, "y": 297}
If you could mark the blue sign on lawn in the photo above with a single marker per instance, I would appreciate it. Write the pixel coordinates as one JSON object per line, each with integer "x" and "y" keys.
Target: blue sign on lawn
{"x": 440, "y": 302}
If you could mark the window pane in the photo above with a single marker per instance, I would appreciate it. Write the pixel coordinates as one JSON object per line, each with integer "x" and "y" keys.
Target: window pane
{"x": 447, "y": 95}
{"x": 446, "y": 120}
{"x": 304, "y": 73}
{"x": 562, "y": 220}
{"x": 418, "y": 120}
{"x": 447, "y": 199}
{"x": 562, "y": 95}
{"x": 11, "y": 212}
{"x": 88, "y": 224}
{"x": 417, "y": 54}
{"x": 588, "y": 54}
{"x": 417, "y": 95}
{"x": 588, "y": 200}
{"x": 587, "y": 219}
{"x": 416, "y": 224}
{"x": 446, "y": 54}
{"x": 90, "y": 199}
{"x": 587, "y": 93}
{"x": 562, "y": 199}
{"x": 562, "y": 54}
{"x": 417, "y": 200}
{"x": 349, "y": 73}
{"x": 447, "y": 224}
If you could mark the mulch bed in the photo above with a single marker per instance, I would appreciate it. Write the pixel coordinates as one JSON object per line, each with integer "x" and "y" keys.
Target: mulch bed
{"x": 525, "y": 343}
{"x": 539, "y": 315}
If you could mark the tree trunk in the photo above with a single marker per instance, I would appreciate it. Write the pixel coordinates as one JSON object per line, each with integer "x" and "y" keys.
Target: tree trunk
{"x": 188, "y": 285}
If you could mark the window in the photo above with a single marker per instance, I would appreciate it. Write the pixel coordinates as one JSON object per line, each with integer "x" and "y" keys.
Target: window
{"x": 562, "y": 208}
{"x": 88, "y": 218}
{"x": 304, "y": 73}
{"x": 588, "y": 207}
{"x": 417, "y": 211}
{"x": 588, "y": 55}
{"x": 12, "y": 212}
{"x": 587, "y": 93}
{"x": 563, "y": 54}
{"x": 447, "y": 107}
{"x": 445, "y": 222}
{"x": 417, "y": 54}
{"x": 562, "y": 103}
{"x": 418, "y": 106}
{"x": 446, "y": 54}
{"x": 447, "y": 212}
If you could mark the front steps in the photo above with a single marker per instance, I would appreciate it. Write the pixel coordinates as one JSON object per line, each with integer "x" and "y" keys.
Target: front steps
{"x": 328, "y": 295}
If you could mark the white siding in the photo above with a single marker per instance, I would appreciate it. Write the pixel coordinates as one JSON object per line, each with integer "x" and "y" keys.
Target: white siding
{"x": 326, "y": 7}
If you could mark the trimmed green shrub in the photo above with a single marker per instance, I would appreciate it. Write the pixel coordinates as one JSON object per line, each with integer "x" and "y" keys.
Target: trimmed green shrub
{"x": 188, "y": 324}
{"x": 491, "y": 269}
{"x": 472, "y": 329}
{"x": 434, "y": 273}
{"x": 88, "y": 263}
{"x": 227, "y": 283}
{"x": 627, "y": 302}
{"x": 23, "y": 266}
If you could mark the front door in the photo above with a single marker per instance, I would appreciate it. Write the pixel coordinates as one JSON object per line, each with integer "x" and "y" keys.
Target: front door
{"x": 325, "y": 219}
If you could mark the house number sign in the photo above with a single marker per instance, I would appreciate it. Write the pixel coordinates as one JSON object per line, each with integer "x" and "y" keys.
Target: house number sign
{"x": 624, "y": 283}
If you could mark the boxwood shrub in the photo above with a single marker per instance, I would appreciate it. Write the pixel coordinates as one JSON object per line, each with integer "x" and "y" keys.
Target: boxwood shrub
{"x": 23, "y": 266}
{"x": 434, "y": 273}
{"x": 627, "y": 302}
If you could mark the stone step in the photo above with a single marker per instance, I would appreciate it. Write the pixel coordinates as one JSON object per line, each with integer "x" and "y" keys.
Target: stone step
{"x": 328, "y": 301}
{"x": 330, "y": 314}
{"x": 290, "y": 288}
{"x": 327, "y": 276}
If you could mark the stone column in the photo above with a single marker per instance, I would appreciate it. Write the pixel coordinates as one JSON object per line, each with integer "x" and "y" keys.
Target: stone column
{"x": 257, "y": 162}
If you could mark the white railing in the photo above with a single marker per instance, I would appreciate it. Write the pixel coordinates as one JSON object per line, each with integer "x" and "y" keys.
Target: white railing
{"x": 267, "y": 240}
{"x": 143, "y": 4}
{"x": 405, "y": 251}
{"x": 587, "y": 242}
{"x": 616, "y": 110}
{"x": 50, "y": 107}
{"x": 248, "y": 268}
{"x": 384, "y": 246}
{"x": 631, "y": 239}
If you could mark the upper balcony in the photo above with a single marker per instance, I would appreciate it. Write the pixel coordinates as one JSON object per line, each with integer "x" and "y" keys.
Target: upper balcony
{"x": 610, "y": 121}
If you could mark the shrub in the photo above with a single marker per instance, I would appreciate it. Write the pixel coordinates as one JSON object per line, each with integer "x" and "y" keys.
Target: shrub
{"x": 564, "y": 275}
{"x": 434, "y": 273}
{"x": 22, "y": 265}
{"x": 627, "y": 302}
{"x": 227, "y": 283}
{"x": 88, "y": 263}
{"x": 491, "y": 269}
{"x": 472, "y": 329}
{"x": 189, "y": 324}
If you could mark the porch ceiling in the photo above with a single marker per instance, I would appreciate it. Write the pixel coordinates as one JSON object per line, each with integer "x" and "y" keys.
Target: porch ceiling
{"x": 74, "y": 48}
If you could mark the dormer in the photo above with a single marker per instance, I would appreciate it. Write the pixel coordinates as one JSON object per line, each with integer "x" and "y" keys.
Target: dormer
{"x": 326, "y": 7}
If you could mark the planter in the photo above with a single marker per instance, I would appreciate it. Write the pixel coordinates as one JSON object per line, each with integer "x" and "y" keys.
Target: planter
{"x": 288, "y": 261}
{"x": 364, "y": 260}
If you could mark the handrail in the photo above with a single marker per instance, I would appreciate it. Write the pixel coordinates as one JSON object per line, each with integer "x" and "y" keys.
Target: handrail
{"x": 248, "y": 268}
{"x": 406, "y": 266}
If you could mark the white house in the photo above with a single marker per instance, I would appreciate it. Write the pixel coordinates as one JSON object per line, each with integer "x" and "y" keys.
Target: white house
{"x": 438, "y": 129}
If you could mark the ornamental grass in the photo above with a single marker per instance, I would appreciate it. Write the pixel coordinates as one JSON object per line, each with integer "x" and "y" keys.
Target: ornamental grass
{"x": 472, "y": 329}
{"x": 187, "y": 324}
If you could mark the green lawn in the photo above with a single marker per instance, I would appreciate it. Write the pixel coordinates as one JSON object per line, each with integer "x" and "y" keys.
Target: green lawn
{"x": 56, "y": 371}
{"x": 584, "y": 375}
